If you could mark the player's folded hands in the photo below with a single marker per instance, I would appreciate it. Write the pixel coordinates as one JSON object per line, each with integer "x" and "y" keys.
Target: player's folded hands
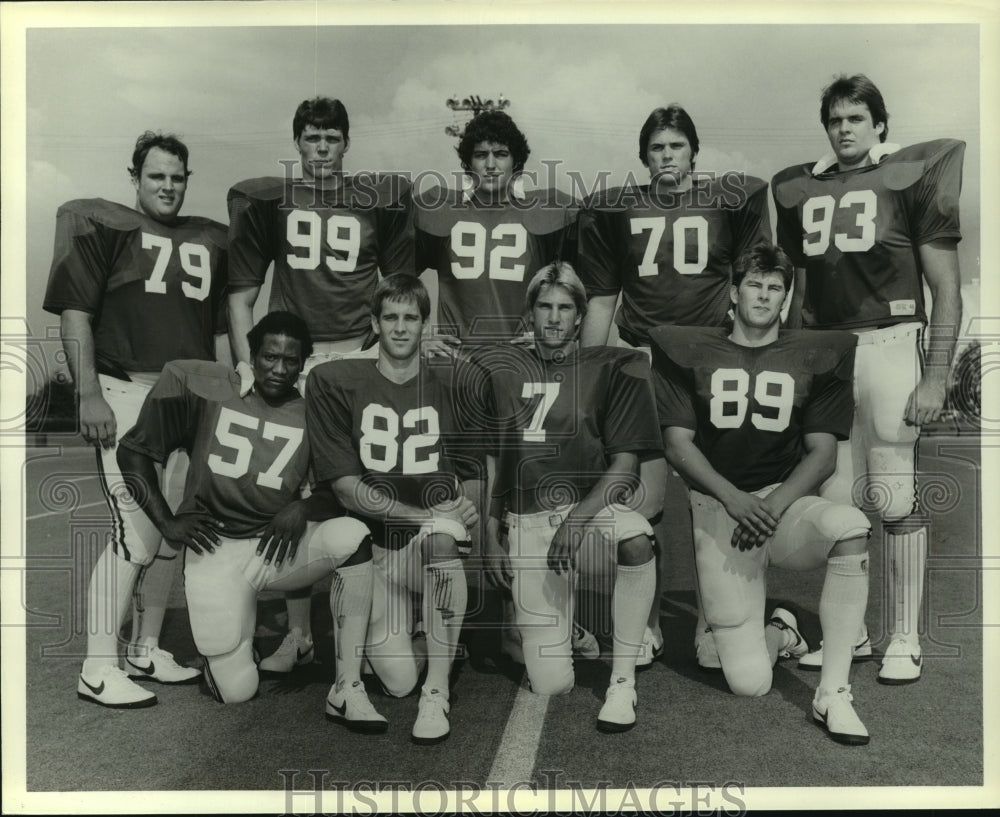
{"x": 282, "y": 535}
{"x": 196, "y": 530}
{"x": 755, "y": 520}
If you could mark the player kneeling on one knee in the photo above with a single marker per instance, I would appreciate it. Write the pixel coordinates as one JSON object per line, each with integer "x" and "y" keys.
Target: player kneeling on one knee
{"x": 571, "y": 424}
{"x": 241, "y": 515}
{"x": 751, "y": 421}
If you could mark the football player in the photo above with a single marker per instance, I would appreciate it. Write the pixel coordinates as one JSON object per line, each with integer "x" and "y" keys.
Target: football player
{"x": 485, "y": 239}
{"x": 242, "y": 518}
{"x": 667, "y": 248}
{"x": 570, "y": 425}
{"x": 751, "y": 420}
{"x": 867, "y": 226}
{"x": 134, "y": 287}
{"x": 382, "y": 435}
{"x": 329, "y": 235}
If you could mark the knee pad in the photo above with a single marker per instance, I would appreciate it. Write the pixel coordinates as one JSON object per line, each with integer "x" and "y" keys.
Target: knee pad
{"x": 447, "y": 527}
{"x": 339, "y": 538}
{"x": 841, "y": 522}
{"x": 743, "y": 655}
{"x": 891, "y": 489}
{"x": 810, "y": 528}
{"x": 233, "y": 677}
{"x": 550, "y": 676}
{"x": 629, "y": 524}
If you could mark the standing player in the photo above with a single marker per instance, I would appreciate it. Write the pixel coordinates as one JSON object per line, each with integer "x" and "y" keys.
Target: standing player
{"x": 668, "y": 249}
{"x": 485, "y": 239}
{"x": 328, "y": 235}
{"x": 134, "y": 288}
{"x": 570, "y": 424}
{"x": 751, "y": 419}
{"x": 241, "y": 509}
{"x": 382, "y": 433}
{"x": 867, "y": 226}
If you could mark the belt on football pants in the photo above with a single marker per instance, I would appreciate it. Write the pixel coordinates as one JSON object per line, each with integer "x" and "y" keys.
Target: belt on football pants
{"x": 539, "y": 519}
{"x": 887, "y": 334}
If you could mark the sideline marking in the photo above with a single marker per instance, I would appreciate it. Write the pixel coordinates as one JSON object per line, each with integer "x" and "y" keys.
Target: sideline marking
{"x": 57, "y": 513}
{"x": 515, "y": 758}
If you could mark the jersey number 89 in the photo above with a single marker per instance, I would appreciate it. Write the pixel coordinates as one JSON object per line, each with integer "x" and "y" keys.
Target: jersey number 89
{"x": 729, "y": 403}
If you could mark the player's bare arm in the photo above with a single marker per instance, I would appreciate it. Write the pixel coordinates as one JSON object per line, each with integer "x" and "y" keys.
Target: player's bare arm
{"x": 374, "y": 503}
{"x": 283, "y": 533}
{"x": 498, "y": 569}
{"x": 597, "y": 322}
{"x": 197, "y": 530}
{"x": 797, "y": 298}
{"x": 621, "y": 476}
{"x": 239, "y": 308}
{"x": 97, "y": 420}
{"x": 940, "y": 264}
{"x": 749, "y": 511}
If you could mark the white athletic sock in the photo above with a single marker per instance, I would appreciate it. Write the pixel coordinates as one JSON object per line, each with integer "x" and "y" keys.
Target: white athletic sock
{"x": 299, "y": 606}
{"x": 634, "y": 589}
{"x": 108, "y": 597}
{"x": 841, "y": 613}
{"x": 446, "y": 595}
{"x": 351, "y": 606}
{"x": 149, "y": 600}
{"x": 907, "y": 550}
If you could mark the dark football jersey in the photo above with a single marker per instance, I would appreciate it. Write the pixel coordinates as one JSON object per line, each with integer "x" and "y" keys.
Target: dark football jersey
{"x": 750, "y": 406}
{"x": 486, "y": 256}
{"x": 670, "y": 254}
{"x": 154, "y": 289}
{"x": 327, "y": 245}
{"x": 248, "y": 458}
{"x": 856, "y": 233}
{"x": 555, "y": 424}
{"x": 403, "y": 438}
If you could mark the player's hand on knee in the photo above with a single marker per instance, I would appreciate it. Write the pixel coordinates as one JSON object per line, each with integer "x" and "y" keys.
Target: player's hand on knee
{"x": 440, "y": 346}
{"x": 97, "y": 421}
{"x": 755, "y": 520}
{"x": 196, "y": 530}
{"x": 498, "y": 569}
{"x": 284, "y": 532}
{"x": 563, "y": 547}
{"x": 926, "y": 403}
{"x": 462, "y": 510}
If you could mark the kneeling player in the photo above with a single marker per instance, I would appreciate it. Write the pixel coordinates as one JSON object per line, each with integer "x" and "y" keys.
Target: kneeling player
{"x": 751, "y": 421}
{"x": 570, "y": 425}
{"x": 241, "y": 516}
{"x": 380, "y": 433}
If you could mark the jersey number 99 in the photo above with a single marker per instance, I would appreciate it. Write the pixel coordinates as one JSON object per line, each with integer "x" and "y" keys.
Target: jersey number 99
{"x": 305, "y": 230}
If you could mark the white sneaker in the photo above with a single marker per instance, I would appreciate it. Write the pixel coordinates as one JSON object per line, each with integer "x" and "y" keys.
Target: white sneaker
{"x": 294, "y": 651}
{"x": 159, "y": 665}
{"x": 585, "y": 643}
{"x": 705, "y": 651}
{"x": 618, "y": 712}
{"x": 351, "y": 708}
{"x": 431, "y": 725}
{"x": 833, "y": 711}
{"x": 784, "y": 619}
{"x": 651, "y": 649}
{"x": 110, "y": 686}
{"x": 861, "y": 651}
{"x": 902, "y": 662}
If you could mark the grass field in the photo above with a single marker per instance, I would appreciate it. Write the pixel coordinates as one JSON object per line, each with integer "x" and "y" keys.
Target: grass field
{"x": 690, "y": 727}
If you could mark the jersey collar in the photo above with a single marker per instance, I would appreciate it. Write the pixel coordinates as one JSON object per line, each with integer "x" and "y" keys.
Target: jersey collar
{"x": 469, "y": 187}
{"x": 875, "y": 155}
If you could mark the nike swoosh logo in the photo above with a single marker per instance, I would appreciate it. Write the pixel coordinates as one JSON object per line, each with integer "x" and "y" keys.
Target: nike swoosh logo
{"x": 145, "y": 670}
{"x": 301, "y": 654}
{"x": 914, "y": 658}
{"x": 340, "y": 710}
{"x": 96, "y": 690}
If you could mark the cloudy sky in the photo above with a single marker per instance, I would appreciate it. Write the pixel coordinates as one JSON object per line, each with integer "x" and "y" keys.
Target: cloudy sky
{"x": 579, "y": 91}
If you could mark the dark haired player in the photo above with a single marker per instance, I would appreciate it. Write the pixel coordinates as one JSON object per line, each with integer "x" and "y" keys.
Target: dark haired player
{"x": 867, "y": 226}
{"x": 570, "y": 425}
{"x": 751, "y": 421}
{"x": 667, "y": 248}
{"x": 242, "y": 518}
{"x": 383, "y": 434}
{"x": 328, "y": 235}
{"x": 134, "y": 288}
{"x": 485, "y": 240}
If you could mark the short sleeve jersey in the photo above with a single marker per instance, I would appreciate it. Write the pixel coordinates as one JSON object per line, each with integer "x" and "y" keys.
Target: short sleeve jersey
{"x": 856, "y": 233}
{"x": 248, "y": 458}
{"x": 750, "y": 406}
{"x": 406, "y": 439}
{"x": 670, "y": 254}
{"x": 328, "y": 245}
{"x": 486, "y": 256}
{"x": 555, "y": 424}
{"x": 153, "y": 289}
